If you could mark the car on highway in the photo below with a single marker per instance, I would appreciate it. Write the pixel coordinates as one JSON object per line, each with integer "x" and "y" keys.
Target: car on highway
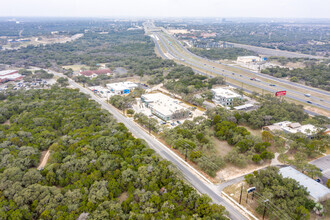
{"x": 309, "y": 102}
{"x": 233, "y": 73}
{"x": 272, "y": 84}
{"x": 240, "y": 75}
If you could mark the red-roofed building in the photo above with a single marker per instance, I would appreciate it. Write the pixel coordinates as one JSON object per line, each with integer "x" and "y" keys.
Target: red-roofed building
{"x": 10, "y": 75}
{"x": 95, "y": 73}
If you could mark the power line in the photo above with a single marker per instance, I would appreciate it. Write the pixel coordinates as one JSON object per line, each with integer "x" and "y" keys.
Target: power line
{"x": 270, "y": 208}
{"x": 274, "y": 206}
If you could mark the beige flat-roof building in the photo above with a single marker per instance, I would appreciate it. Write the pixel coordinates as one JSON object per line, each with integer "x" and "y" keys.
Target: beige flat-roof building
{"x": 164, "y": 106}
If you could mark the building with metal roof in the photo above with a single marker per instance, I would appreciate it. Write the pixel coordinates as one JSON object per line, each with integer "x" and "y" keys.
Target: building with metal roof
{"x": 317, "y": 191}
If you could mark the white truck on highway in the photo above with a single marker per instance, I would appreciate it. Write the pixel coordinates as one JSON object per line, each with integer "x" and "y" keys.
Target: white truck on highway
{"x": 307, "y": 95}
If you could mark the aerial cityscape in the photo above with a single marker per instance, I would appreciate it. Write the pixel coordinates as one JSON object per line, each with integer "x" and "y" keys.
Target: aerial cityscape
{"x": 165, "y": 110}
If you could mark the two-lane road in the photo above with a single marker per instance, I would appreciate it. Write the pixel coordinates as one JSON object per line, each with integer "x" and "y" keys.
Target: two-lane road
{"x": 190, "y": 174}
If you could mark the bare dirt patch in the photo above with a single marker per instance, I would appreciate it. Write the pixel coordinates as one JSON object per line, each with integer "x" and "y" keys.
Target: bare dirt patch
{"x": 231, "y": 171}
{"x": 123, "y": 197}
{"x": 43, "y": 159}
{"x": 6, "y": 122}
{"x": 222, "y": 147}
{"x": 178, "y": 31}
{"x": 256, "y": 132}
{"x": 317, "y": 110}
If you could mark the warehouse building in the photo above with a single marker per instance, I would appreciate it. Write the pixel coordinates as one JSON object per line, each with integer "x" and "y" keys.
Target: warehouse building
{"x": 10, "y": 75}
{"x": 164, "y": 106}
{"x": 224, "y": 97}
{"x": 317, "y": 191}
{"x": 121, "y": 87}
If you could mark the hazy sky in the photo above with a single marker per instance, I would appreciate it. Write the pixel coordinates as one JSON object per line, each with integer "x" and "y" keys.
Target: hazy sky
{"x": 167, "y": 8}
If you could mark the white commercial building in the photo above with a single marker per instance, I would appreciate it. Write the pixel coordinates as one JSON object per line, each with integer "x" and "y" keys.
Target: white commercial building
{"x": 121, "y": 87}
{"x": 224, "y": 97}
{"x": 164, "y": 106}
{"x": 289, "y": 127}
{"x": 248, "y": 59}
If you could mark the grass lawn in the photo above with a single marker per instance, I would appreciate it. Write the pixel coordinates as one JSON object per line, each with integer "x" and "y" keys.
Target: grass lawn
{"x": 76, "y": 67}
{"x": 222, "y": 147}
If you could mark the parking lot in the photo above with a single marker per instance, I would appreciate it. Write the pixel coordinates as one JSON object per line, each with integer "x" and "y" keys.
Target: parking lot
{"x": 37, "y": 84}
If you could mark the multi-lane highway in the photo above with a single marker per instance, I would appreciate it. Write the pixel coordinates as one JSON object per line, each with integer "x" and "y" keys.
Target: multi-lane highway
{"x": 169, "y": 47}
{"x": 196, "y": 179}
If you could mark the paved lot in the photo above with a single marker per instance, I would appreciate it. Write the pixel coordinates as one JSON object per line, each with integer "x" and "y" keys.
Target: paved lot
{"x": 324, "y": 164}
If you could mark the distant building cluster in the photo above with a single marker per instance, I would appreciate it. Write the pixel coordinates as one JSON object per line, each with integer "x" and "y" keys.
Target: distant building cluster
{"x": 95, "y": 73}
{"x": 292, "y": 128}
{"x": 10, "y": 75}
{"x": 224, "y": 97}
{"x": 164, "y": 106}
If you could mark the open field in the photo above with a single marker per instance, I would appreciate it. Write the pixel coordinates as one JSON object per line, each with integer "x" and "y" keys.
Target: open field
{"x": 231, "y": 171}
{"x": 76, "y": 67}
{"x": 222, "y": 147}
{"x": 42, "y": 40}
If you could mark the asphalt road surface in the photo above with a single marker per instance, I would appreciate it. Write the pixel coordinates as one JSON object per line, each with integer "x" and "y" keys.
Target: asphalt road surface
{"x": 194, "y": 179}
{"x": 323, "y": 103}
{"x": 273, "y": 52}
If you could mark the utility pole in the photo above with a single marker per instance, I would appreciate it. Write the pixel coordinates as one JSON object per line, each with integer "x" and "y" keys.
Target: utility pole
{"x": 263, "y": 216}
{"x": 149, "y": 124}
{"x": 247, "y": 197}
{"x": 240, "y": 197}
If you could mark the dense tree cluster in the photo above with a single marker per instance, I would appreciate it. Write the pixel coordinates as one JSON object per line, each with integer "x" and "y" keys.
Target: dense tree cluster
{"x": 121, "y": 101}
{"x": 96, "y": 167}
{"x": 223, "y": 53}
{"x": 285, "y": 193}
{"x": 147, "y": 122}
{"x": 245, "y": 144}
{"x": 305, "y": 38}
{"x": 314, "y": 75}
{"x": 120, "y": 48}
{"x": 274, "y": 110}
{"x": 183, "y": 80}
{"x": 194, "y": 139}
